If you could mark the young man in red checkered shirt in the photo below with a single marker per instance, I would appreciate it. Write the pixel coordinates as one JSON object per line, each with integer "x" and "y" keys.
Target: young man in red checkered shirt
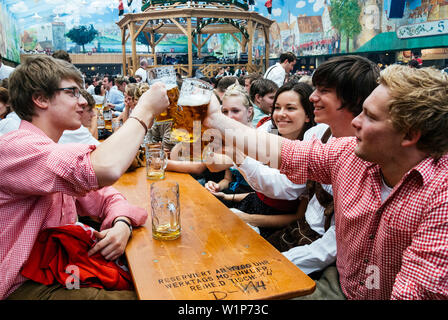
{"x": 390, "y": 185}
{"x": 45, "y": 184}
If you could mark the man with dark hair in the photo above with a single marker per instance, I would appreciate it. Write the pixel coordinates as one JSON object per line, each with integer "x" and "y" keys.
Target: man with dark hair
{"x": 281, "y": 69}
{"x": 47, "y": 185}
{"x": 390, "y": 183}
{"x": 115, "y": 87}
{"x": 262, "y": 93}
{"x": 315, "y": 253}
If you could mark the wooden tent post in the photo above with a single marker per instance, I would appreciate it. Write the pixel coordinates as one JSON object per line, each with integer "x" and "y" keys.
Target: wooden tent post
{"x": 123, "y": 49}
{"x": 190, "y": 48}
{"x": 250, "y": 27}
{"x": 134, "y": 48}
{"x": 266, "y": 47}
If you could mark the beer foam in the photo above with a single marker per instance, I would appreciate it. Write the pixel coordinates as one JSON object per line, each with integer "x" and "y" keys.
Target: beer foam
{"x": 193, "y": 100}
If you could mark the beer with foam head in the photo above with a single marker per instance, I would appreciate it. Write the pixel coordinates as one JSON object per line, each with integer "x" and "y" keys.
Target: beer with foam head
{"x": 191, "y": 111}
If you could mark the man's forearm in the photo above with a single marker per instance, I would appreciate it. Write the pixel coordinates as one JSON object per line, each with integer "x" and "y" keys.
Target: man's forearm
{"x": 259, "y": 145}
{"x": 113, "y": 156}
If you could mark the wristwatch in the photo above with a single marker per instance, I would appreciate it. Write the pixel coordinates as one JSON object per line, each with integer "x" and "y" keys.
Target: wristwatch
{"x": 124, "y": 221}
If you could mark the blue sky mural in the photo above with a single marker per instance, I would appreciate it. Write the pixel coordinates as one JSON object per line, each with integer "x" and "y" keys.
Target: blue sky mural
{"x": 34, "y": 18}
{"x": 303, "y": 26}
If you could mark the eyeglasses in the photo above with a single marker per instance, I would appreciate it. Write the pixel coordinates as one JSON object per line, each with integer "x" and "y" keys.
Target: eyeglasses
{"x": 73, "y": 90}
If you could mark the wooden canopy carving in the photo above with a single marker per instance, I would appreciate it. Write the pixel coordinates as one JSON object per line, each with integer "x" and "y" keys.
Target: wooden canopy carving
{"x": 198, "y": 21}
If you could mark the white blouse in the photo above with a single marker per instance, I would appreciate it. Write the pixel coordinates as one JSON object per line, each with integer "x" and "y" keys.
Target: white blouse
{"x": 322, "y": 252}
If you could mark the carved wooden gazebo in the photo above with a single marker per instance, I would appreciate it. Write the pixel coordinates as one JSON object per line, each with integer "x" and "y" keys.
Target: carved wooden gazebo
{"x": 198, "y": 21}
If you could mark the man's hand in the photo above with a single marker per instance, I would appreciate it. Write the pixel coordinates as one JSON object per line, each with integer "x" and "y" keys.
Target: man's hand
{"x": 214, "y": 109}
{"x": 212, "y": 186}
{"x": 155, "y": 100}
{"x": 112, "y": 242}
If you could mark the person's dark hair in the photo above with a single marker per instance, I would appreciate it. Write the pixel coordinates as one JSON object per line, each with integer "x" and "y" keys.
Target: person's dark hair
{"x": 287, "y": 56}
{"x": 39, "y": 74}
{"x": 121, "y": 80}
{"x": 4, "y": 83}
{"x": 90, "y": 100}
{"x": 4, "y": 97}
{"x": 226, "y": 82}
{"x": 414, "y": 64}
{"x": 88, "y": 81}
{"x": 214, "y": 82}
{"x": 206, "y": 79}
{"x": 253, "y": 76}
{"x": 132, "y": 80}
{"x": 262, "y": 87}
{"x": 353, "y": 78}
{"x": 97, "y": 89}
{"x": 304, "y": 91}
{"x": 63, "y": 55}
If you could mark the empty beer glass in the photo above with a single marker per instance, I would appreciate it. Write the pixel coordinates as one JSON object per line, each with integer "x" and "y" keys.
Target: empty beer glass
{"x": 191, "y": 111}
{"x": 167, "y": 75}
{"x": 165, "y": 210}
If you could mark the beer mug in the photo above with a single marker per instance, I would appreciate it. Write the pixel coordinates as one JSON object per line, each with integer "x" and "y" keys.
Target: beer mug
{"x": 156, "y": 162}
{"x": 167, "y": 75}
{"x": 165, "y": 210}
{"x": 107, "y": 116}
{"x": 192, "y": 108}
{"x": 100, "y": 122}
{"x": 116, "y": 124}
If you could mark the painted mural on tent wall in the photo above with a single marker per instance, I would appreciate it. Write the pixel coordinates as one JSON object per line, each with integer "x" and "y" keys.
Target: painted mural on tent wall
{"x": 302, "y": 26}
{"x": 9, "y": 35}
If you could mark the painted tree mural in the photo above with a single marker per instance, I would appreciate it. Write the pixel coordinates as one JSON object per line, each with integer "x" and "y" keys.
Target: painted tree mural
{"x": 82, "y": 35}
{"x": 344, "y": 16}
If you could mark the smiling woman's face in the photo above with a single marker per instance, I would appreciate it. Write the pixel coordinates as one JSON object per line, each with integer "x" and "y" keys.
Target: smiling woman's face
{"x": 289, "y": 115}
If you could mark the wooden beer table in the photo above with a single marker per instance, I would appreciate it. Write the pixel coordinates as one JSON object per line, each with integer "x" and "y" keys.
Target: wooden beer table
{"x": 218, "y": 256}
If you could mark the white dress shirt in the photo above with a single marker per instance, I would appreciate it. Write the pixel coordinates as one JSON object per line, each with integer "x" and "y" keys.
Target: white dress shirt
{"x": 142, "y": 73}
{"x": 276, "y": 73}
{"x": 322, "y": 252}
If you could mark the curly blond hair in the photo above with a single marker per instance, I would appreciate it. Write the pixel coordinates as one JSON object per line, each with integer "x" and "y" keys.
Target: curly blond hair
{"x": 131, "y": 89}
{"x": 141, "y": 89}
{"x": 236, "y": 90}
{"x": 419, "y": 102}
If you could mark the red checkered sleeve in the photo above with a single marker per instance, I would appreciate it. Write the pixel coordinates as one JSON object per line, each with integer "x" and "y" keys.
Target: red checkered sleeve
{"x": 424, "y": 269}
{"x": 108, "y": 204}
{"x": 313, "y": 160}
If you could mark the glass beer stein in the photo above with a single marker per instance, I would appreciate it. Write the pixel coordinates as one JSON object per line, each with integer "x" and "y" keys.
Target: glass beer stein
{"x": 167, "y": 75}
